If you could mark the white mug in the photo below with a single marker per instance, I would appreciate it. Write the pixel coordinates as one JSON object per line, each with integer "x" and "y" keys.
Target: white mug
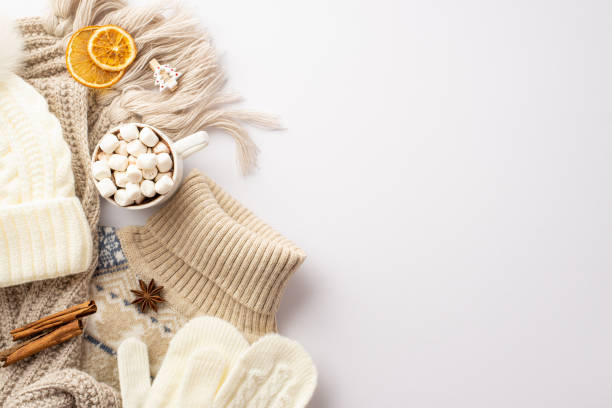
{"x": 178, "y": 151}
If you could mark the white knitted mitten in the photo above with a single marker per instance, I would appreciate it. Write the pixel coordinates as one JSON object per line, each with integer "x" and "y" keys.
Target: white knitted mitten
{"x": 274, "y": 372}
{"x": 134, "y": 374}
{"x": 197, "y": 360}
{"x": 210, "y": 364}
{"x": 203, "y": 377}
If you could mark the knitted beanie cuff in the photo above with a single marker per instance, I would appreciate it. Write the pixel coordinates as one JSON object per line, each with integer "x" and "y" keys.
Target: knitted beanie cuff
{"x": 214, "y": 257}
{"x": 42, "y": 240}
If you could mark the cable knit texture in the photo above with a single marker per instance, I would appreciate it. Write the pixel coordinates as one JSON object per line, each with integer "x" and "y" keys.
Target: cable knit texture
{"x": 66, "y": 389}
{"x": 44, "y": 69}
{"x": 43, "y": 231}
{"x": 274, "y": 372}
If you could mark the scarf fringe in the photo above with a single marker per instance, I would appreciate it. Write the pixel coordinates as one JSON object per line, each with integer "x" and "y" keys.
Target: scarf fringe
{"x": 169, "y": 33}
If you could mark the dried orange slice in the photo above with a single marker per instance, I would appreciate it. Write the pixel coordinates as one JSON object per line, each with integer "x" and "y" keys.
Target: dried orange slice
{"x": 80, "y": 65}
{"x": 111, "y": 48}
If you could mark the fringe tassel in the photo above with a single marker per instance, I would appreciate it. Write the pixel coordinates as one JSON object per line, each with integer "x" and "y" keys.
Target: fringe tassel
{"x": 170, "y": 34}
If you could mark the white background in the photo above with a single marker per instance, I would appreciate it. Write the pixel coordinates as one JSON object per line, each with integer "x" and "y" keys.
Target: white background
{"x": 447, "y": 169}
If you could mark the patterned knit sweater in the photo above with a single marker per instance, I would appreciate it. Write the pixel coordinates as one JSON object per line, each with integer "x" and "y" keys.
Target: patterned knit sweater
{"x": 117, "y": 318}
{"x": 215, "y": 258}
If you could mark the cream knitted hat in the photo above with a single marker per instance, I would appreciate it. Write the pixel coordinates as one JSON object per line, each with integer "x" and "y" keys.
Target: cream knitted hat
{"x": 43, "y": 66}
{"x": 43, "y": 230}
{"x": 214, "y": 257}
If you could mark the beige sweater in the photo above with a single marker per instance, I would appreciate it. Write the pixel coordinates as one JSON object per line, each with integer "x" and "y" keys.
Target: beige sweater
{"x": 212, "y": 255}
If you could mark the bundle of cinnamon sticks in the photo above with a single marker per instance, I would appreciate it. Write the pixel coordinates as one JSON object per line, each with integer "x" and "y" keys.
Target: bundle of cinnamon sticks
{"x": 47, "y": 332}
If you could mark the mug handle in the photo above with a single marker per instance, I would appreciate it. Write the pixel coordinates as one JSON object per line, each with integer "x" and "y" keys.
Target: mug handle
{"x": 191, "y": 144}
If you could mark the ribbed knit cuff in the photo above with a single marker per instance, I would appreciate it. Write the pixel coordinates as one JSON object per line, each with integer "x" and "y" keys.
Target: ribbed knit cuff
{"x": 42, "y": 240}
{"x": 214, "y": 257}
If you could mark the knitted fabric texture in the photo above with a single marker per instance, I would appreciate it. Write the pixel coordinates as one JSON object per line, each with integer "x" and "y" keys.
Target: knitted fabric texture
{"x": 214, "y": 257}
{"x": 66, "y": 389}
{"x": 164, "y": 32}
{"x": 210, "y": 364}
{"x": 201, "y": 333}
{"x": 236, "y": 268}
{"x": 117, "y": 318}
{"x": 273, "y": 372}
{"x": 43, "y": 230}
{"x": 44, "y": 69}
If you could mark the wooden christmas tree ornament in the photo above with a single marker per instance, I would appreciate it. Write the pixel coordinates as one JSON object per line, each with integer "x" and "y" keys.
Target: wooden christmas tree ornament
{"x": 165, "y": 76}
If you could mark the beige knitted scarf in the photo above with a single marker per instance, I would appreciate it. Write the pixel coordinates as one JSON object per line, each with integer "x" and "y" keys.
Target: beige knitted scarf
{"x": 172, "y": 34}
{"x": 68, "y": 388}
{"x": 28, "y": 302}
{"x": 44, "y": 380}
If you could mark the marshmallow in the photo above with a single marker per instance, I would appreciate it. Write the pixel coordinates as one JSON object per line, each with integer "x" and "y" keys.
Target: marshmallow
{"x": 100, "y": 170}
{"x": 118, "y": 162}
{"x": 140, "y": 198}
{"x": 122, "y": 148}
{"x": 147, "y": 187}
{"x": 163, "y": 185}
{"x": 146, "y": 161}
{"x": 160, "y": 175}
{"x": 133, "y": 174}
{"x": 132, "y": 190}
{"x": 148, "y": 137}
{"x": 161, "y": 148}
{"x": 132, "y": 159}
{"x": 129, "y": 132}
{"x": 102, "y": 155}
{"x": 109, "y": 143}
{"x": 106, "y": 187}
{"x": 121, "y": 178}
{"x": 136, "y": 148}
{"x": 121, "y": 198}
{"x": 149, "y": 174}
{"x": 164, "y": 162}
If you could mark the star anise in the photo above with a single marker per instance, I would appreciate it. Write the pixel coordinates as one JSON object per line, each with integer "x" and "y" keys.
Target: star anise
{"x": 147, "y": 296}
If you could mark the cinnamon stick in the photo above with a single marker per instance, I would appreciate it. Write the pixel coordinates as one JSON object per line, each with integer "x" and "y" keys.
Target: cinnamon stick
{"x": 5, "y": 353}
{"x": 41, "y": 342}
{"x": 55, "y": 320}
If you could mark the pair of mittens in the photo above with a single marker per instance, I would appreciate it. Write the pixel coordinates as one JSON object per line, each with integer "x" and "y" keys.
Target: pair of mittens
{"x": 210, "y": 364}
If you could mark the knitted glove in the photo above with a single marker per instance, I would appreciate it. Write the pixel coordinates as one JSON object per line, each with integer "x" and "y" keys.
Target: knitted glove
{"x": 274, "y": 372}
{"x": 209, "y": 354}
{"x": 181, "y": 363}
